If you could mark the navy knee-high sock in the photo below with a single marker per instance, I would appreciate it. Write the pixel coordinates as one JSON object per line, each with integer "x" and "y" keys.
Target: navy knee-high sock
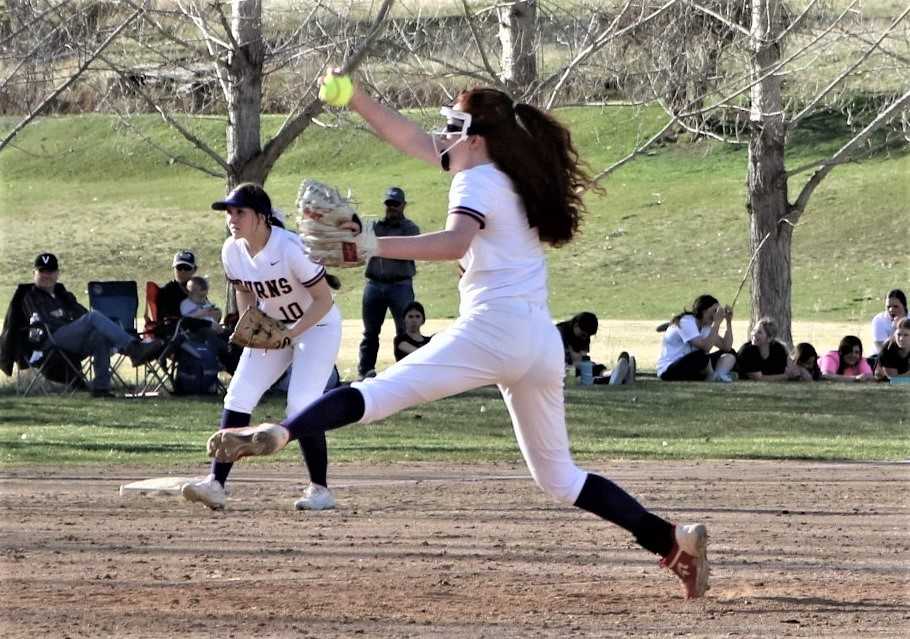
{"x": 333, "y": 410}
{"x": 316, "y": 457}
{"x": 229, "y": 419}
{"x": 605, "y": 499}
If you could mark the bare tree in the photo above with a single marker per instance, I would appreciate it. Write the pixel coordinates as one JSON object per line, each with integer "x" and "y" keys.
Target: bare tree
{"x": 741, "y": 97}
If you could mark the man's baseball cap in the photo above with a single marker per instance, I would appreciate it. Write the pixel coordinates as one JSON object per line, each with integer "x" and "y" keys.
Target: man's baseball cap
{"x": 185, "y": 257}
{"x": 395, "y": 196}
{"x": 249, "y": 195}
{"x": 47, "y": 262}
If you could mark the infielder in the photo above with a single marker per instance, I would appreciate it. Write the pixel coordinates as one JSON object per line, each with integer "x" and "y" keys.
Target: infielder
{"x": 515, "y": 175}
{"x": 269, "y": 268}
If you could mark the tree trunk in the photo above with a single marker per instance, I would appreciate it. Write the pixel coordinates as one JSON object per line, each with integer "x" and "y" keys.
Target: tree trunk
{"x": 245, "y": 93}
{"x": 518, "y": 35}
{"x": 768, "y": 205}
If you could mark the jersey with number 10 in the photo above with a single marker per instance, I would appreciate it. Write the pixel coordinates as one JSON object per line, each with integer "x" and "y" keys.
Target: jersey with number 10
{"x": 279, "y": 275}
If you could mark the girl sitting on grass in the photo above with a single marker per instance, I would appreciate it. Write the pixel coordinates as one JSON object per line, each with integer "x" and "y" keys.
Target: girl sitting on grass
{"x": 846, "y": 364}
{"x": 894, "y": 358}
{"x": 806, "y": 359}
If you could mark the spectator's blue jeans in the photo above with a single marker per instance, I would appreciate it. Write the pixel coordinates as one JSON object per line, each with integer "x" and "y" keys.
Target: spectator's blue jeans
{"x": 377, "y": 298}
{"x": 94, "y": 334}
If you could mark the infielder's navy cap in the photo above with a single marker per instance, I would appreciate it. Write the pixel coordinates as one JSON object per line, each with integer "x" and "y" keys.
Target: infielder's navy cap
{"x": 184, "y": 257}
{"x": 249, "y": 195}
{"x": 395, "y": 195}
{"x": 47, "y": 262}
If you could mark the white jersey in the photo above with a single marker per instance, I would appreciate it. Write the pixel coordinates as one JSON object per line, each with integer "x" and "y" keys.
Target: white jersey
{"x": 505, "y": 259}
{"x": 677, "y": 342}
{"x": 882, "y": 328}
{"x": 279, "y": 275}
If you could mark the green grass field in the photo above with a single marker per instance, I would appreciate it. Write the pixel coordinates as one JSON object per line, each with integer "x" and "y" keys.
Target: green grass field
{"x": 671, "y": 225}
{"x": 651, "y": 420}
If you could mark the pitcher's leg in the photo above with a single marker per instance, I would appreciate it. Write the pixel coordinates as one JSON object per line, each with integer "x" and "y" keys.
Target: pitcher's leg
{"x": 538, "y": 416}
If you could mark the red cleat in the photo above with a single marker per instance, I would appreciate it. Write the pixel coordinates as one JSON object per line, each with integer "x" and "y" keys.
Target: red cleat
{"x": 689, "y": 559}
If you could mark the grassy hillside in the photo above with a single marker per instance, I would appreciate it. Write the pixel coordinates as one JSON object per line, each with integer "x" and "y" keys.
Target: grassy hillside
{"x": 671, "y": 225}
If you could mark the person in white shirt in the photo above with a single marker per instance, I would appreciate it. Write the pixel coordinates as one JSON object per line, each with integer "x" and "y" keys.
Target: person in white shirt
{"x": 686, "y": 350}
{"x": 885, "y": 323}
{"x": 269, "y": 268}
{"x": 516, "y": 183}
{"x": 197, "y": 304}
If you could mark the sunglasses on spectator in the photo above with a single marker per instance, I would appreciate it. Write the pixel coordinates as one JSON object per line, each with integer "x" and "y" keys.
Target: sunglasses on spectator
{"x": 184, "y": 267}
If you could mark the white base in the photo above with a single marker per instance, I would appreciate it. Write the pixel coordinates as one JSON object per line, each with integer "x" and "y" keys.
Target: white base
{"x": 169, "y": 486}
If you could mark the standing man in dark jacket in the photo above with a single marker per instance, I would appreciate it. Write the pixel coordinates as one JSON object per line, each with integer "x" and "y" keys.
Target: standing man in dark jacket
{"x": 78, "y": 330}
{"x": 389, "y": 283}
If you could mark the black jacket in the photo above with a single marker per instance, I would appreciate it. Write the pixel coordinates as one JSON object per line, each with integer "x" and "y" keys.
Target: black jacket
{"x": 383, "y": 269}
{"x": 15, "y": 347}
{"x": 56, "y": 310}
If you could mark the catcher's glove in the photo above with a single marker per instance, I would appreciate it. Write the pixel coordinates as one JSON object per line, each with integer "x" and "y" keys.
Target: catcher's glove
{"x": 331, "y": 230}
{"x": 255, "y": 329}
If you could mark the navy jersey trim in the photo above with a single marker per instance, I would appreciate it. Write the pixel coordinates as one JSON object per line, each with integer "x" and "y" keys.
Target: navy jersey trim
{"x": 312, "y": 282}
{"x": 476, "y": 215}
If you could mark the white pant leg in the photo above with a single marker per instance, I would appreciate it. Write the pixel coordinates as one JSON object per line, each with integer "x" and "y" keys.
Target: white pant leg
{"x": 481, "y": 348}
{"x": 257, "y": 370}
{"x": 536, "y": 403}
{"x": 315, "y": 352}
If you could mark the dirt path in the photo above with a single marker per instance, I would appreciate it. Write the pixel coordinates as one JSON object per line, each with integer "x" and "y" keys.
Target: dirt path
{"x": 429, "y": 550}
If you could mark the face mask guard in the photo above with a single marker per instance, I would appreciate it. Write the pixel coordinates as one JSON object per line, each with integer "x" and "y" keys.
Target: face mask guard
{"x": 457, "y": 127}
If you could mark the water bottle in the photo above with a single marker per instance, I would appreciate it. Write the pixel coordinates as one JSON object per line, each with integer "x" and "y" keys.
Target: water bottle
{"x": 587, "y": 371}
{"x": 36, "y": 333}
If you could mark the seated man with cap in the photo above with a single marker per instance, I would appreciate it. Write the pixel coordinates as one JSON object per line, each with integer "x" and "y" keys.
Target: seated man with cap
{"x": 173, "y": 293}
{"x": 78, "y": 330}
{"x": 389, "y": 286}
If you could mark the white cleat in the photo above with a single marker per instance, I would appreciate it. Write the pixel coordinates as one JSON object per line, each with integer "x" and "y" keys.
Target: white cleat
{"x": 231, "y": 444}
{"x": 688, "y": 559}
{"x": 206, "y": 491}
{"x": 316, "y": 497}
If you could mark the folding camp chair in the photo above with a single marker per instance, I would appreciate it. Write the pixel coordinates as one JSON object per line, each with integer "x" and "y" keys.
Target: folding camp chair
{"x": 42, "y": 365}
{"x": 160, "y": 372}
{"x": 119, "y": 302}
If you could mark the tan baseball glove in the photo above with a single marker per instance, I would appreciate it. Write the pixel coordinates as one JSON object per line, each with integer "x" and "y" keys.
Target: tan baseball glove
{"x": 255, "y": 329}
{"x": 332, "y": 232}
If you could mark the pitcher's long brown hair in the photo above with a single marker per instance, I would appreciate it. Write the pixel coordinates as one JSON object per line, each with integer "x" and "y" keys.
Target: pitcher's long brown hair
{"x": 537, "y": 153}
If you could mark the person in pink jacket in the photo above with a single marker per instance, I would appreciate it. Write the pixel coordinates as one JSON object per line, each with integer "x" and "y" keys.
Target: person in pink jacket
{"x": 846, "y": 364}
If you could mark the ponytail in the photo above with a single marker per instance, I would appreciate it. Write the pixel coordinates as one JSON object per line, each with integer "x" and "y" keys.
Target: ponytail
{"x": 538, "y": 155}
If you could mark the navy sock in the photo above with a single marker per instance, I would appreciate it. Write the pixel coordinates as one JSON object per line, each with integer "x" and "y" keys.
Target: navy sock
{"x": 334, "y": 409}
{"x": 605, "y": 499}
{"x": 229, "y": 419}
{"x": 316, "y": 457}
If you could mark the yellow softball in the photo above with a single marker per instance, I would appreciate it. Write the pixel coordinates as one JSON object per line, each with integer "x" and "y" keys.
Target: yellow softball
{"x": 336, "y": 90}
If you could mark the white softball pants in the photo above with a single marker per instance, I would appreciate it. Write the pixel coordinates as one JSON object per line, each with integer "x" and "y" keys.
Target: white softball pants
{"x": 312, "y": 355}
{"x": 512, "y": 344}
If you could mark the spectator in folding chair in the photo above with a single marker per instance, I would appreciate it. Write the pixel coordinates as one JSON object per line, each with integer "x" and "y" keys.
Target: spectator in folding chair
{"x": 78, "y": 330}
{"x": 172, "y": 294}
{"x": 24, "y": 344}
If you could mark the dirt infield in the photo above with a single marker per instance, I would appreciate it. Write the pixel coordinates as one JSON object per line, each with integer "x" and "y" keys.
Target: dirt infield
{"x": 798, "y": 549}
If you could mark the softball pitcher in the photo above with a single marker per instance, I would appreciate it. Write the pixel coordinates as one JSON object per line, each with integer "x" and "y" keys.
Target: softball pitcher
{"x": 268, "y": 267}
{"x": 515, "y": 175}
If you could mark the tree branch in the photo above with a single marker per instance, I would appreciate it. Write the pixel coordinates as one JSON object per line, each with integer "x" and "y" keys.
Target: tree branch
{"x": 478, "y": 43}
{"x": 844, "y": 152}
{"x": 635, "y": 153}
{"x": 70, "y": 80}
{"x": 795, "y": 119}
{"x": 192, "y": 139}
